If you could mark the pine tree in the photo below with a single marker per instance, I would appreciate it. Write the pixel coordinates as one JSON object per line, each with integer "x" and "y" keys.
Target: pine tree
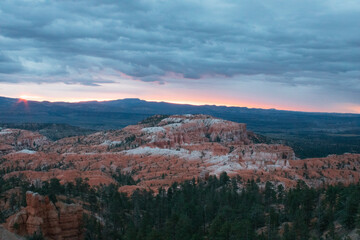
{"x": 36, "y": 236}
{"x": 13, "y": 201}
{"x": 357, "y": 223}
{"x": 289, "y": 233}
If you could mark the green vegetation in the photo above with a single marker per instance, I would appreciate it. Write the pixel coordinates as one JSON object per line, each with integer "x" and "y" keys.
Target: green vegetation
{"x": 214, "y": 209}
{"x": 317, "y": 144}
{"x": 36, "y": 236}
{"x": 153, "y": 120}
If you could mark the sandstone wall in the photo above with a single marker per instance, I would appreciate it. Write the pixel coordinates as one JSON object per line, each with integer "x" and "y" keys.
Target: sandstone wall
{"x": 58, "y": 221}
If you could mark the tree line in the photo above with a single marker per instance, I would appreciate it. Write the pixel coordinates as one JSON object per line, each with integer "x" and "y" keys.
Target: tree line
{"x": 219, "y": 208}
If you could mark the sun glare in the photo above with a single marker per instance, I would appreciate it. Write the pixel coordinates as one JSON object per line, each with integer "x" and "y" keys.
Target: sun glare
{"x": 28, "y": 97}
{"x": 23, "y": 100}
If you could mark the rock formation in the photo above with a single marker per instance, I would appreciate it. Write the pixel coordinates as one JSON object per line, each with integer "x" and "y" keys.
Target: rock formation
{"x": 20, "y": 140}
{"x": 58, "y": 221}
{"x": 169, "y": 149}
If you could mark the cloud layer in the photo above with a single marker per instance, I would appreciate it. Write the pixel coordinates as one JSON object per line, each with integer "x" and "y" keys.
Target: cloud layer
{"x": 293, "y": 43}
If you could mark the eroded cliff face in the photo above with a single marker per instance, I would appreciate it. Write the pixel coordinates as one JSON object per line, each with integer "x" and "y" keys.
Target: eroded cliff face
{"x": 20, "y": 140}
{"x": 58, "y": 221}
{"x": 171, "y": 149}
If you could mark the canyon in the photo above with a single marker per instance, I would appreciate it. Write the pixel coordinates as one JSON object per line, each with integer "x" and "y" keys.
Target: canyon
{"x": 156, "y": 153}
{"x": 162, "y": 150}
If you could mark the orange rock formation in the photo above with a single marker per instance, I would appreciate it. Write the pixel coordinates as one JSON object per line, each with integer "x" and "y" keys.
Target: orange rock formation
{"x": 56, "y": 221}
{"x": 171, "y": 149}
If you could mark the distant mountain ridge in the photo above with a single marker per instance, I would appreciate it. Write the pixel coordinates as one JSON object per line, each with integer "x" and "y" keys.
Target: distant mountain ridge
{"x": 310, "y": 134}
{"x": 63, "y": 112}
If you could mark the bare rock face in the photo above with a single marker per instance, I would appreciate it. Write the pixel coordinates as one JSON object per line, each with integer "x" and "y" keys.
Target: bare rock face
{"x": 12, "y": 140}
{"x": 6, "y": 235}
{"x": 191, "y": 129}
{"x": 58, "y": 222}
{"x": 170, "y": 149}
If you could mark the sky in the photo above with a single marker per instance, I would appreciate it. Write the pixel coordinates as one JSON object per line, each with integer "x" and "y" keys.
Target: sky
{"x": 284, "y": 54}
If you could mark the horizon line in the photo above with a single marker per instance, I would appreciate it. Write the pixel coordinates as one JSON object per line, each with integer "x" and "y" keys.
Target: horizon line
{"x": 171, "y": 102}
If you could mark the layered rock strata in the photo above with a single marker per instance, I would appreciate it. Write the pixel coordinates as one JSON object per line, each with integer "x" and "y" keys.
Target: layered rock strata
{"x": 58, "y": 221}
{"x": 170, "y": 149}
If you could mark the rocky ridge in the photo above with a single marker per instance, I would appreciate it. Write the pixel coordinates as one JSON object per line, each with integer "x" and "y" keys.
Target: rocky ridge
{"x": 20, "y": 140}
{"x": 166, "y": 149}
{"x": 55, "y": 221}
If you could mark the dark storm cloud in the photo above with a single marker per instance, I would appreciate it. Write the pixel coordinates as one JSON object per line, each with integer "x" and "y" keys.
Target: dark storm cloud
{"x": 8, "y": 65}
{"x": 292, "y": 42}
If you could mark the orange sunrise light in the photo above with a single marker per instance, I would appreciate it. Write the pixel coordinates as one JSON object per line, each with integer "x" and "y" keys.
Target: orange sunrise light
{"x": 24, "y": 101}
{"x": 28, "y": 97}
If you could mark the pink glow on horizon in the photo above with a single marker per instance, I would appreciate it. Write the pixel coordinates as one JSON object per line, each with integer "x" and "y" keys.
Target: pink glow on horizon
{"x": 194, "y": 92}
{"x": 353, "y": 108}
{"x": 198, "y": 101}
{"x": 25, "y": 102}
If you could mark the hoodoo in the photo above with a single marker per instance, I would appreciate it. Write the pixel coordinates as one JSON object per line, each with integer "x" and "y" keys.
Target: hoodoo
{"x": 166, "y": 149}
